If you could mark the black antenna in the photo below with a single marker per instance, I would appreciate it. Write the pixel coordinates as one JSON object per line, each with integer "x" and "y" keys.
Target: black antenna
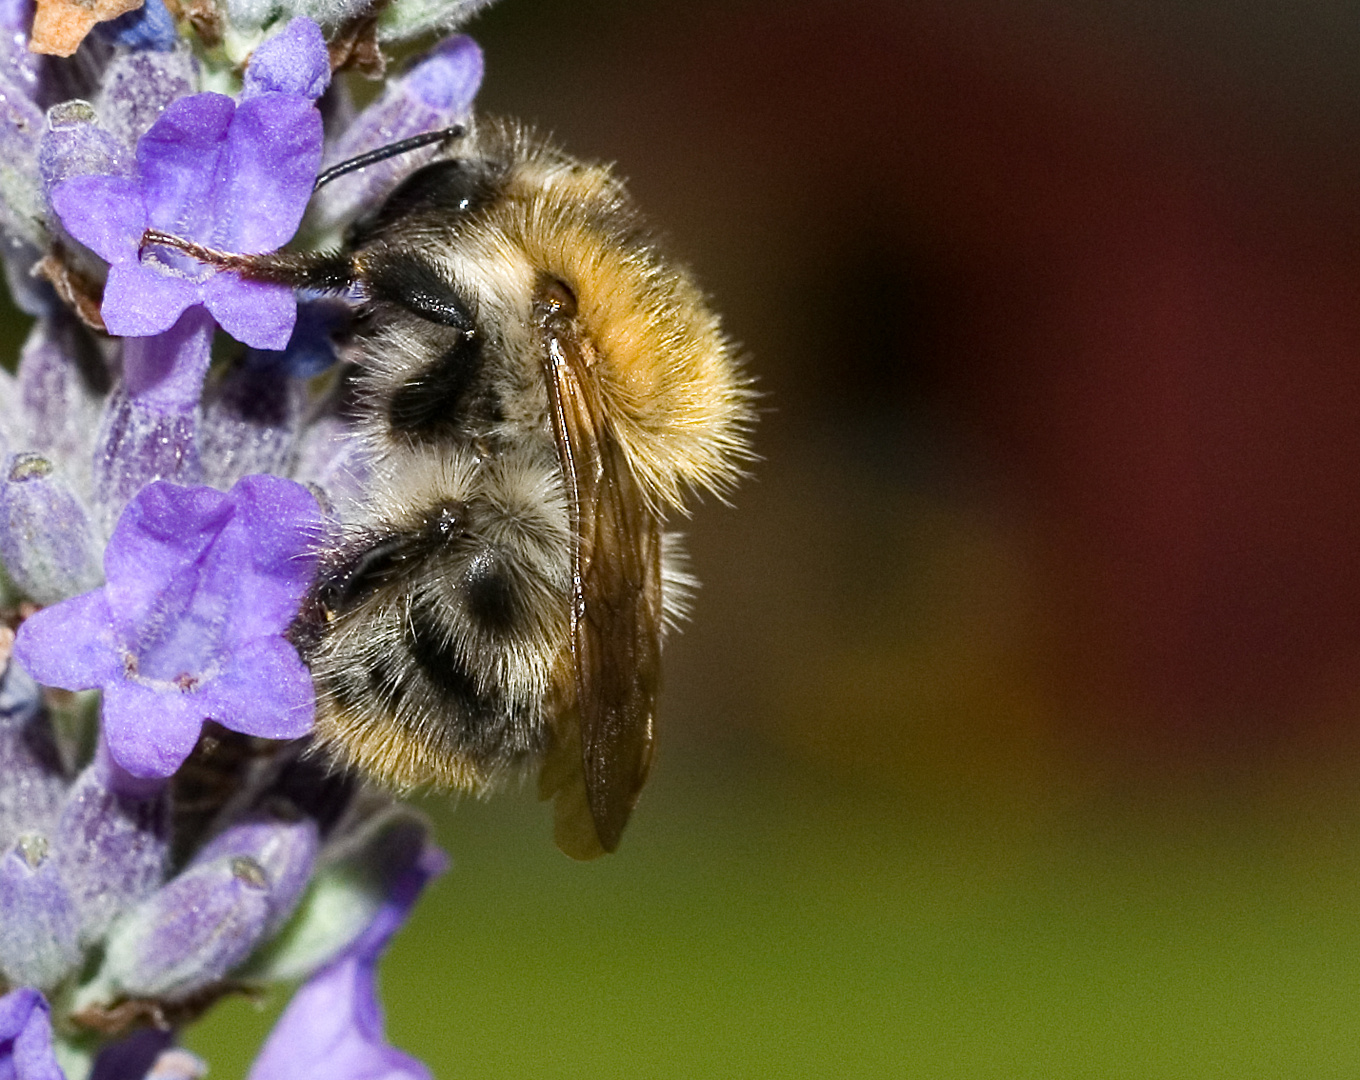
{"x": 391, "y": 150}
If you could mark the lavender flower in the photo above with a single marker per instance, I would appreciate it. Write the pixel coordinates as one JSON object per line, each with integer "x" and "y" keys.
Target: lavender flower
{"x": 165, "y": 836}
{"x": 201, "y": 587}
{"x": 233, "y": 177}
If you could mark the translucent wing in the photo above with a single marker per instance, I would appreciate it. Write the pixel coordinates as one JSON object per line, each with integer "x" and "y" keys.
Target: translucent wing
{"x": 615, "y": 591}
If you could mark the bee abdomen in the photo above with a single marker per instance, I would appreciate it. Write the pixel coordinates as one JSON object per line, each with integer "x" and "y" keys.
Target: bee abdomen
{"x": 481, "y": 720}
{"x": 491, "y": 597}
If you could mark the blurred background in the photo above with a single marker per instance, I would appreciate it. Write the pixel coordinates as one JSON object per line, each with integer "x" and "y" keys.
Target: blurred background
{"x": 1017, "y": 731}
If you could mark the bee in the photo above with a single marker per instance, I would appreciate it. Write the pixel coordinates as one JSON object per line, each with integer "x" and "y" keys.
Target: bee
{"x": 537, "y": 388}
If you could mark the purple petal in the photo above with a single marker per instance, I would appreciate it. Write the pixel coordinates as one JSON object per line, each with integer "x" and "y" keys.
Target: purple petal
{"x": 332, "y": 1030}
{"x": 163, "y": 531}
{"x": 266, "y": 691}
{"x": 118, "y": 780}
{"x": 273, "y": 151}
{"x": 105, "y": 213}
{"x": 259, "y": 313}
{"x": 149, "y": 27}
{"x": 294, "y": 61}
{"x": 150, "y": 732}
{"x": 71, "y": 644}
{"x": 274, "y": 534}
{"x": 201, "y": 587}
{"x": 15, "y": 1009}
{"x": 311, "y": 349}
{"x": 132, "y": 1057}
{"x": 26, "y": 1037}
{"x": 182, "y": 163}
{"x": 141, "y": 300}
{"x": 405, "y": 890}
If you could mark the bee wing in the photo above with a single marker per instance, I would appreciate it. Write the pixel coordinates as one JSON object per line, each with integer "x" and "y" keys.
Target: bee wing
{"x": 615, "y": 593}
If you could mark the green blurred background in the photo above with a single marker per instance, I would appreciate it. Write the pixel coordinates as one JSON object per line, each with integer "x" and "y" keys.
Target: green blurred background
{"x": 1017, "y": 732}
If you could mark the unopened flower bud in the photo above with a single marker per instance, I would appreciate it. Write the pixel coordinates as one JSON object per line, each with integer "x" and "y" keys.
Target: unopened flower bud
{"x": 38, "y": 923}
{"x": 138, "y": 442}
{"x": 33, "y": 785}
{"x": 47, "y": 540}
{"x": 436, "y": 93}
{"x": 338, "y": 464}
{"x": 111, "y": 848}
{"x": 285, "y": 852}
{"x": 60, "y": 380}
{"x": 22, "y": 203}
{"x": 250, "y": 422}
{"x": 151, "y": 70}
{"x": 349, "y": 895}
{"x": 76, "y": 145}
{"x": 190, "y": 934}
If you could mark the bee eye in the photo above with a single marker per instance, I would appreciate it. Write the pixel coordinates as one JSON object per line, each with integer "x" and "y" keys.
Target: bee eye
{"x": 450, "y": 187}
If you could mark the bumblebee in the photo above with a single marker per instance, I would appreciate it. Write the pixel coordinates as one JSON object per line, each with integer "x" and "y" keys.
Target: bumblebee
{"x": 537, "y": 387}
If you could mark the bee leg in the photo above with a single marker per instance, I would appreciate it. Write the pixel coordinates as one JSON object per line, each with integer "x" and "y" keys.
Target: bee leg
{"x": 324, "y": 271}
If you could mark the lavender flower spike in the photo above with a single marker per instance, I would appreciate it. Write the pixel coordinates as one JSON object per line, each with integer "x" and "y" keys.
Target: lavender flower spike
{"x": 168, "y": 836}
{"x": 189, "y": 626}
